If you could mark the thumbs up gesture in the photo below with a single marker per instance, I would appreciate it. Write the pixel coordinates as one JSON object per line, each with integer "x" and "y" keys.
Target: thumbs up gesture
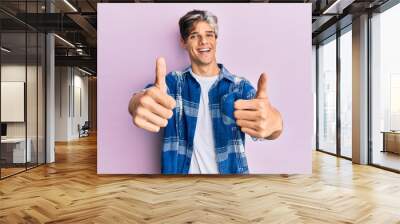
{"x": 152, "y": 108}
{"x": 257, "y": 117}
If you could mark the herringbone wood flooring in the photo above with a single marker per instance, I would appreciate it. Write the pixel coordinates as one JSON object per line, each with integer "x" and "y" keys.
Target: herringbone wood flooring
{"x": 70, "y": 191}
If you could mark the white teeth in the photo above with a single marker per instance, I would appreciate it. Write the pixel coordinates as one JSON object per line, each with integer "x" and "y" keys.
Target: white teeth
{"x": 204, "y": 49}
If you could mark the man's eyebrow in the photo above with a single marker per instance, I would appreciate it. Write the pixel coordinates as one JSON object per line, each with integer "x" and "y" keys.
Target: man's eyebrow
{"x": 208, "y": 31}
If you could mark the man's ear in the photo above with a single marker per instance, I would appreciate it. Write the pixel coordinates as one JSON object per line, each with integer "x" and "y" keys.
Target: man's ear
{"x": 182, "y": 43}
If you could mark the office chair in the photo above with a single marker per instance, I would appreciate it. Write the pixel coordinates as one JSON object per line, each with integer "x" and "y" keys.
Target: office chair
{"x": 84, "y": 130}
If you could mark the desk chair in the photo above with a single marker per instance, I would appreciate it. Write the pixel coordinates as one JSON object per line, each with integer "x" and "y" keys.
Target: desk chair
{"x": 84, "y": 130}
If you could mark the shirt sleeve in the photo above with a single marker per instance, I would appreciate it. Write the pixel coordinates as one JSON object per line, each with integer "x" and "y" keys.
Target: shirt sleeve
{"x": 248, "y": 91}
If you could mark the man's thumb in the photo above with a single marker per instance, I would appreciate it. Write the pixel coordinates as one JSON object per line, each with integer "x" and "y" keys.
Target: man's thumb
{"x": 161, "y": 72}
{"x": 262, "y": 86}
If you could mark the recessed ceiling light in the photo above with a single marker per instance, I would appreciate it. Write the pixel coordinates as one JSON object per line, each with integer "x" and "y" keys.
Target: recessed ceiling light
{"x": 84, "y": 71}
{"x": 337, "y": 7}
{"x": 70, "y": 5}
{"x": 65, "y": 41}
{"x": 5, "y": 50}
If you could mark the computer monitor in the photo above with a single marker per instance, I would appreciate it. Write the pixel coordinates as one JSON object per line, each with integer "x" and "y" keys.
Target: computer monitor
{"x": 3, "y": 129}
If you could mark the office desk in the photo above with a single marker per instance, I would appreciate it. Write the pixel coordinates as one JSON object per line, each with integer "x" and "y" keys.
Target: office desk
{"x": 391, "y": 141}
{"x": 13, "y": 150}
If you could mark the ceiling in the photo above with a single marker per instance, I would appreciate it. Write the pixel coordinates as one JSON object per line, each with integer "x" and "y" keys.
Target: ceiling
{"x": 76, "y": 22}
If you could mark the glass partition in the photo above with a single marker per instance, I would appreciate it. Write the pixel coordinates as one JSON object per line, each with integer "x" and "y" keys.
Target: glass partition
{"x": 22, "y": 77}
{"x": 327, "y": 95}
{"x": 31, "y": 100}
{"x": 41, "y": 91}
{"x": 14, "y": 153}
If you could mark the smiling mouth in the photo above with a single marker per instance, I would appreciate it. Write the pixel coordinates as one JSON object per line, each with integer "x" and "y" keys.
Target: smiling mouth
{"x": 204, "y": 50}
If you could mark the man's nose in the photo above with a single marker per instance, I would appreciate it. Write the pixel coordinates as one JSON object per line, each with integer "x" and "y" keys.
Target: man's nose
{"x": 203, "y": 40}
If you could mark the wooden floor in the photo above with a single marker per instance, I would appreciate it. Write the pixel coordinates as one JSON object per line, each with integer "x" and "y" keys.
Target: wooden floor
{"x": 387, "y": 159}
{"x": 9, "y": 171}
{"x": 5, "y": 172}
{"x": 70, "y": 191}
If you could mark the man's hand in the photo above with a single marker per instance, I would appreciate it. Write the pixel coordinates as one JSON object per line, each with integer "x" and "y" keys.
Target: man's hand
{"x": 257, "y": 117}
{"x": 152, "y": 108}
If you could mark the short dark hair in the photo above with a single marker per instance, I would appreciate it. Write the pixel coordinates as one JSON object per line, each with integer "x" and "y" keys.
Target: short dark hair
{"x": 187, "y": 22}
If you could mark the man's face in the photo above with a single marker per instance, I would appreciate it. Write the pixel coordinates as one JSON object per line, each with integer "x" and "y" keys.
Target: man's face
{"x": 201, "y": 44}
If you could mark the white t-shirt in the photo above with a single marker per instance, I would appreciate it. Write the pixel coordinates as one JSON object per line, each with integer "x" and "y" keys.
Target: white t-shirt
{"x": 204, "y": 156}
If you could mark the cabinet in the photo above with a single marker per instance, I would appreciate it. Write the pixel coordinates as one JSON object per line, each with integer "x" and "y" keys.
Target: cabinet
{"x": 13, "y": 150}
{"x": 391, "y": 141}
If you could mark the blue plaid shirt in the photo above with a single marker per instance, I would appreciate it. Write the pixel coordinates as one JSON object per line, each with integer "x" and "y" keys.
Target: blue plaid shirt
{"x": 179, "y": 133}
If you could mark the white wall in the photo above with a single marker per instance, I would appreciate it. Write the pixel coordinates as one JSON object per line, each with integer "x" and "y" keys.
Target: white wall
{"x": 81, "y": 103}
{"x": 12, "y": 73}
{"x": 15, "y": 72}
{"x": 62, "y": 81}
{"x": 71, "y": 93}
{"x": 33, "y": 127}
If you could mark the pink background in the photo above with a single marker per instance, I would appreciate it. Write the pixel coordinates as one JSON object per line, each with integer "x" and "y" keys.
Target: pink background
{"x": 275, "y": 38}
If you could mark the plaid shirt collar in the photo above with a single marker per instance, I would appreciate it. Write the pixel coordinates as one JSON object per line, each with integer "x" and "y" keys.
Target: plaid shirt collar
{"x": 223, "y": 73}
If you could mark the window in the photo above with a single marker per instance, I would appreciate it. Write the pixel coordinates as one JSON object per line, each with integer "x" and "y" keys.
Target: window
{"x": 327, "y": 95}
{"x": 385, "y": 88}
{"x": 346, "y": 92}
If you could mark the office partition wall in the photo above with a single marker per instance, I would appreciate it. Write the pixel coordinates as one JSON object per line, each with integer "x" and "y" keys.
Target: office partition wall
{"x": 22, "y": 87}
{"x": 15, "y": 152}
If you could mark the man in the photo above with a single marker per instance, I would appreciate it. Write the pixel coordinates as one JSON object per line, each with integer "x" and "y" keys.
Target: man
{"x": 204, "y": 110}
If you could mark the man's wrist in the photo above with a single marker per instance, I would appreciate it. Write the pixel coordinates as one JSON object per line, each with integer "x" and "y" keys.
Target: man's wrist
{"x": 278, "y": 130}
